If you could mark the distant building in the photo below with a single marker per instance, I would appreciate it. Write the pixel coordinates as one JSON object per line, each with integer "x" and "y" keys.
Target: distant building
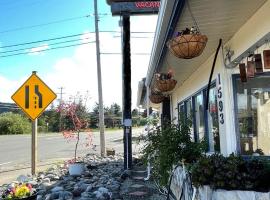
{"x": 8, "y": 107}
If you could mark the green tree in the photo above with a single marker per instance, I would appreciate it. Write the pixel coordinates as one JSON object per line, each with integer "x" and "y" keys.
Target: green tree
{"x": 11, "y": 123}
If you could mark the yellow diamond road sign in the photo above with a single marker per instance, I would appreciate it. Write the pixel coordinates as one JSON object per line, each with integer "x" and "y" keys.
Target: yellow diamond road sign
{"x": 33, "y": 96}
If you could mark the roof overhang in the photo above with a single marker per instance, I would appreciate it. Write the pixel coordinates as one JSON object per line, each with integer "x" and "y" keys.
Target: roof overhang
{"x": 216, "y": 19}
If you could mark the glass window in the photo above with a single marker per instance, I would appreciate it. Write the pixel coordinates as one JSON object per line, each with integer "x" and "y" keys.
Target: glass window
{"x": 189, "y": 114}
{"x": 199, "y": 117}
{"x": 181, "y": 110}
{"x": 213, "y": 125}
{"x": 253, "y": 115}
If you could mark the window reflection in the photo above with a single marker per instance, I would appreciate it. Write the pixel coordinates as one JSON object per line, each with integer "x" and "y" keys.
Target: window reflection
{"x": 213, "y": 125}
{"x": 253, "y": 101}
{"x": 199, "y": 115}
{"x": 190, "y": 116}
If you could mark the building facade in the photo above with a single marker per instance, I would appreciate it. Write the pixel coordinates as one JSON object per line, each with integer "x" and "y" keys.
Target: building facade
{"x": 238, "y": 115}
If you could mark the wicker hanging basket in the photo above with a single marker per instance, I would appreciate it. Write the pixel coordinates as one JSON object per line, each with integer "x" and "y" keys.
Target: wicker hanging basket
{"x": 187, "y": 46}
{"x": 165, "y": 85}
{"x": 156, "y": 98}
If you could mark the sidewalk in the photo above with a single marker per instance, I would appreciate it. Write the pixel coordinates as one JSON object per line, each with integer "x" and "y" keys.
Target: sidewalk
{"x": 135, "y": 188}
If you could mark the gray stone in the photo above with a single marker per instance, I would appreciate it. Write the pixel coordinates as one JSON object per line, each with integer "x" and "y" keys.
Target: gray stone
{"x": 48, "y": 197}
{"x": 57, "y": 189}
{"x": 65, "y": 195}
{"x": 41, "y": 192}
{"x": 89, "y": 188}
{"x": 23, "y": 179}
{"x": 39, "y": 197}
{"x": 46, "y": 180}
{"x": 33, "y": 183}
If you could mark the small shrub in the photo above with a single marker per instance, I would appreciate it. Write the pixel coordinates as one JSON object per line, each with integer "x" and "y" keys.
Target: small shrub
{"x": 232, "y": 173}
{"x": 11, "y": 124}
{"x": 168, "y": 145}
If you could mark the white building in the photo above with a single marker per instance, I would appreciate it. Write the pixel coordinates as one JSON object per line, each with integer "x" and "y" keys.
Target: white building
{"x": 238, "y": 119}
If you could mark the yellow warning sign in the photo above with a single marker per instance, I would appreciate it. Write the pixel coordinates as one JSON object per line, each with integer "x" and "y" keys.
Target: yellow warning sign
{"x": 33, "y": 96}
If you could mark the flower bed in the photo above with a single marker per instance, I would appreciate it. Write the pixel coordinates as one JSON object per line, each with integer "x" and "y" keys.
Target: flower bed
{"x": 19, "y": 191}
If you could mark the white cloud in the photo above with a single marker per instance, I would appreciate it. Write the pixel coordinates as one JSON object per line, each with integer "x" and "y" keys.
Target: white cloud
{"x": 78, "y": 73}
{"x": 38, "y": 50}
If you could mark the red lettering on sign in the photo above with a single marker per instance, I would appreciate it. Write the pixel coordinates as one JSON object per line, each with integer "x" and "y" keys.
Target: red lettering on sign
{"x": 148, "y": 4}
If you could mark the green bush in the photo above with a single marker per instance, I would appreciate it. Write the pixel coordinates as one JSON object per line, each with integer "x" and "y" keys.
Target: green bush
{"x": 11, "y": 124}
{"x": 168, "y": 145}
{"x": 232, "y": 173}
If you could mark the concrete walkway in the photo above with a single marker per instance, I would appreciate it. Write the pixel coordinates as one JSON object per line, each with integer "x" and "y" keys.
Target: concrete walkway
{"x": 135, "y": 188}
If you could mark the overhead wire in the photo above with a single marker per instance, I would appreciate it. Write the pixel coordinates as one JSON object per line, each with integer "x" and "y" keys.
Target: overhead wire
{"x": 62, "y": 37}
{"x": 49, "y": 49}
{"x": 44, "y": 24}
{"x": 51, "y": 44}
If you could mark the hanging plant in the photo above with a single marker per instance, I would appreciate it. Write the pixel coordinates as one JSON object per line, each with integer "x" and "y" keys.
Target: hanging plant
{"x": 164, "y": 82}
{"x": 188, "y": 43}
{"x": 156, "y": 97}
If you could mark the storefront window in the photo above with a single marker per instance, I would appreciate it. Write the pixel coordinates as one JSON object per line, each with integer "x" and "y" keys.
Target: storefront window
{"x": 181, "y": 110}
{"x": 213, "y": 125}
{"x": 253, "y": 115}
{"x": 199, "y": 117}
{"x": 190, "y": 116}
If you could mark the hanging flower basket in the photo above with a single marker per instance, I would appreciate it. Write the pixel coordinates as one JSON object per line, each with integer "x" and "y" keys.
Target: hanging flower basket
{"x": 165, "y": 85}
{"x": 187, "y": 46}
{"x": 156, "y": 98}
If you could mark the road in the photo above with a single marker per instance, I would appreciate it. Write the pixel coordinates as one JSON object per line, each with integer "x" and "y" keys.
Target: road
{"x": 15, "y": 150}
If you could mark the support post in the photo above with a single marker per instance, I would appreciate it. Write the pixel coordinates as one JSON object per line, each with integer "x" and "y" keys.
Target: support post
{"x": 127, "y": 91}
{"x": 100, "y": 97}
{"x": 34, "y": 147}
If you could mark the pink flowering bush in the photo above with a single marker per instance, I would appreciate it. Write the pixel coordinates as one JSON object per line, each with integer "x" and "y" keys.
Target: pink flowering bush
{"x": 76, "y": 123}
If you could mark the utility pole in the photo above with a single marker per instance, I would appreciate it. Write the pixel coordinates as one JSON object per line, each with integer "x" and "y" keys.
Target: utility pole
{"x": 126, "y": 73}
{"x": 60, "y": 103}
{"x": 100, "y": 98}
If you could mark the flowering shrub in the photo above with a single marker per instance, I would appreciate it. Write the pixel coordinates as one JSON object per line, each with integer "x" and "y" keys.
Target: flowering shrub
{"x": 18, "y": 191}
{"x": 78, "y": 123}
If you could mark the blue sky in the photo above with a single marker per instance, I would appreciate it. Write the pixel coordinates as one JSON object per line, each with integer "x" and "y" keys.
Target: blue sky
{"x": 72, "y": 68}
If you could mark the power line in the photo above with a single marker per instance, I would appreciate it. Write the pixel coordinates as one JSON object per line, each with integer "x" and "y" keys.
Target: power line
{"x": 23, "y": 53}
{"x": 45, "y": 24}
{"x": 51, "y": 44}
{"x": 39, "y": 41}
{"x": 64, "y": 37}
{"x": 112, "y": 53}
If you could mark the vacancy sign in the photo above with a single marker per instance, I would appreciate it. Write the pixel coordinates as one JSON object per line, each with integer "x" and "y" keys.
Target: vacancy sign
{"x": 34, "y": 96}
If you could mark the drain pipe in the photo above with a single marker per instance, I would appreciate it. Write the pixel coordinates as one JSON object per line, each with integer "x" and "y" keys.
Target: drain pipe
{"x": 211, "y": 75}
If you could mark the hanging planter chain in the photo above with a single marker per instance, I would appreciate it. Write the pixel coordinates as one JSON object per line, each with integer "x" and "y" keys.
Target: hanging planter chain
{"x": 189, "y": 43}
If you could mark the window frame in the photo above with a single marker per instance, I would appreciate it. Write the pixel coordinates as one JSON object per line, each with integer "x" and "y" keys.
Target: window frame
{"x": 192, "y": 97}
{"x": 236, "y": 124}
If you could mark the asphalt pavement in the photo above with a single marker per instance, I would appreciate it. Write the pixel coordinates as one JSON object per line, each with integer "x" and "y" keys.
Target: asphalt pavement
{"x": 15, "y": 150}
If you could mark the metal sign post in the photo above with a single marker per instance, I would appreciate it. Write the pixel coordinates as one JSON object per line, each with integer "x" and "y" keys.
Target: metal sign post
{"x": 33, "y": 97}
{"x": 34, "y": 147}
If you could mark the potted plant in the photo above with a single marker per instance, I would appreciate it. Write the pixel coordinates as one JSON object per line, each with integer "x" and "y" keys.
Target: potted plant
{"x": 156, "y": 97}
{"x": 19, "y": 191}
{"x": 76, "y": 122}
{"x": 164, "y": 81}
{"x": 188, "y": 43}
